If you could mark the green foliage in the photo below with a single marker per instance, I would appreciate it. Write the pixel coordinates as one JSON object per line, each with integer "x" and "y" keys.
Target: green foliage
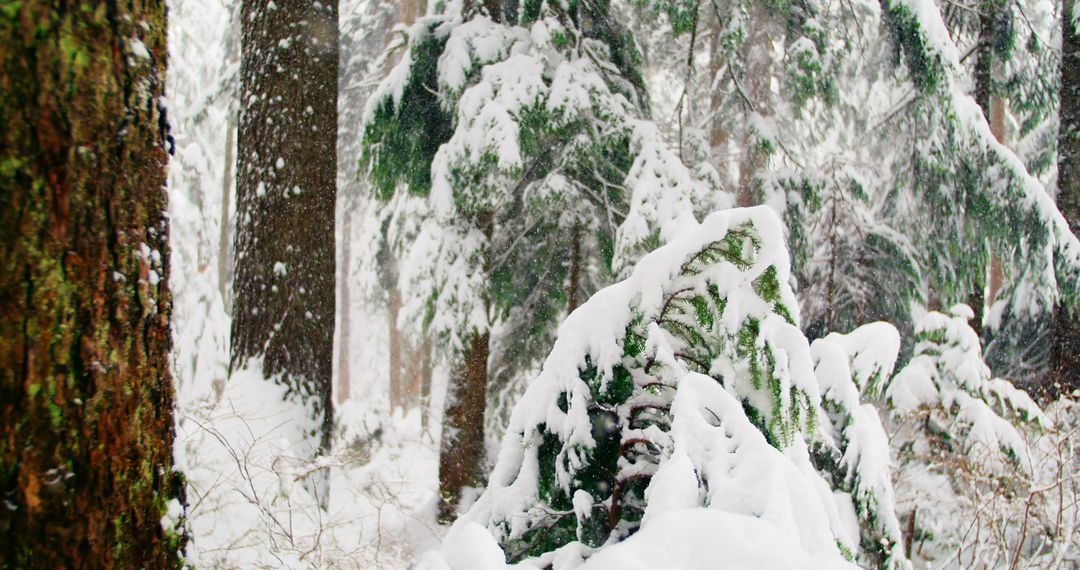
{"x": 627, "y": 404}
{"x": 401, "y": 138}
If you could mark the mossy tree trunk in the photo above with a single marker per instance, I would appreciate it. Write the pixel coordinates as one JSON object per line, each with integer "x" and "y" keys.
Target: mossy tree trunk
{"x": 1065, "y": 339}
{"x": 86, "y": 426}
{"x": 286, "y": 186}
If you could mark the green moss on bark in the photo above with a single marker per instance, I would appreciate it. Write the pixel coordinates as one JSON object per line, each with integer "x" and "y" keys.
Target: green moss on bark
{"x": 85, "y": 391}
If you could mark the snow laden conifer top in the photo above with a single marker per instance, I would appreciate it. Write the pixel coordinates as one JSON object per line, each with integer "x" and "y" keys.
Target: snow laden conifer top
{"x": 852, "y": 451}
{"x": 948, "y": 377}
{"x": 958, "y": 435}
{"x": 683, "y": 391}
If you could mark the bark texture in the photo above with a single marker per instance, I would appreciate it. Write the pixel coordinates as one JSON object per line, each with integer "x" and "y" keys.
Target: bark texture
{"x": 1065, "y": 335}
{"x": 286, "y": 186}
{"x": 86, "y": 397}
{"x": 461, "y": 457}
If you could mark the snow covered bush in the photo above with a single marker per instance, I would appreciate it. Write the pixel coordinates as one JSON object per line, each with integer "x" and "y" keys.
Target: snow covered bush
{"x": 959, "y": 436}
{"x": 685, "y": 392}
{"x": 853, "y": 450}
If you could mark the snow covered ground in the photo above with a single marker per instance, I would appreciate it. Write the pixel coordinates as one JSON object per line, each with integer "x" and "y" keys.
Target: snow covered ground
{"x": 253, "y": 502}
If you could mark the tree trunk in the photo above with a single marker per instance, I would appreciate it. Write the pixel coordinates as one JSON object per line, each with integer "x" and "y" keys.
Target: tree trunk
{"x": 984, "y": 72}
{"x": 461, "y": 457}
{"x": 757, "y": 81}
{"x": 573, "y": 284}
{"x": 425, "y": 384}
{"x": 86, "y": 426}
{"x": 226, "y": 232}
{"x": 1065, "y": 339}
{"x": 461, "y": 453}
{"x": 345, "y": 334}
{"x": 284, "y": 287}
{"x": 396, "y": 350}
{"x": 996, "y": 280}
{"x": 410, "y": 10}
{"x": 718, "y": 134}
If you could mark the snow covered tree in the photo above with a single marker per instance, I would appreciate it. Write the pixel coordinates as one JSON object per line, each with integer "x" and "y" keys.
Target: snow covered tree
{"x": 978, "y": 190}
{"x": 364, "y": 31}
{"x": 884, "y": 176}
{"x": 677, "y": 388}
{"x": 505, "y": 141}
{"x": 956, "y": 427}
{"x": 853, "y": 452}
{"x": 285, "y": 259}
{"x": 86, "y": 394}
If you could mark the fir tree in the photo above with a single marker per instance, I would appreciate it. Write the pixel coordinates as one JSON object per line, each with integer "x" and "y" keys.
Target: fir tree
{"x": 853, "y": 450}
{"x": 955, "y": 427}
{"x": 500, "y": 146}
{"x": 86, "y": 393}
{"x": 286, "y": 191}
{"x": 591, "y": 432}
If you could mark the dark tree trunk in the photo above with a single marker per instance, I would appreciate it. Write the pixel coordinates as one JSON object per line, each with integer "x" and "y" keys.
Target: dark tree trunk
{"x": 984, "y": 76}
{"x": 287, "y": 163}
{"x": 1065, "y": 339}
{"x": 461, "y": 452}
{"x": 573, "y": 281}
{"x": 461, "y": 457}
{"x": 85, "y": 389}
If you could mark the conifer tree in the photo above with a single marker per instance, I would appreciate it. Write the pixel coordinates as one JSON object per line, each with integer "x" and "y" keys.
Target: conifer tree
{"x": 286, "y": 181}
{"x": 86, "y": 394}
{"x": 853, "y": 453}
{"x": 969, "y": 177}
{"x": 864, "y": 210}
{"x": 956, "y": 426}
{"x": 500, "y": 137}
{"x": 662, "y": 386}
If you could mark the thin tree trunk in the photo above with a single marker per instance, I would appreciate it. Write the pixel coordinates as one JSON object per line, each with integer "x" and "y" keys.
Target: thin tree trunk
{"x": 997, "y": 126}
{"x": 757, "y": 81}
{"x": 226, "y": 231}
{"x": 409, "y": 10}
{"x": 461, "y": 456}
{"x": 425, "y": 384}
{"x": 345, "y": 333}
{"x": 573, "y": 285}
{"x": 86, "y": 425}
{"x": 396, "y": 350}
{"x": 984, "y": 71}
{"x": 1065, "y": 335}
{"x": 284, "y": 288}
{"x": 719, "y": 139}
{"x": 400, "y": 349}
